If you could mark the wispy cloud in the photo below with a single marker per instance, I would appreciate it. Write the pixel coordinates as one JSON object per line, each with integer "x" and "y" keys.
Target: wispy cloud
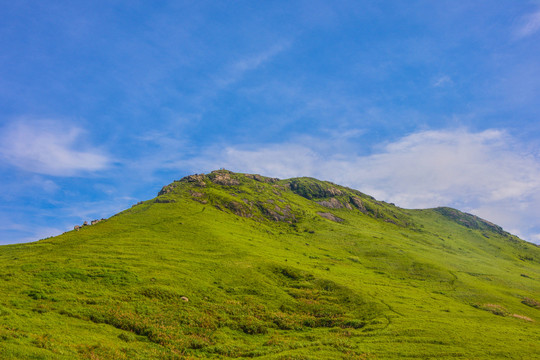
{"x": 442, "y": 81}
{"x": 530, "y": 25}
{"x": 486, "y": 172}
{"x": 49, "y": 147}
{"x": 240, "y": 67}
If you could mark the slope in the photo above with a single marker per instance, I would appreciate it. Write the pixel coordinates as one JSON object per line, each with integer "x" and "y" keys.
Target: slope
{"x": 230, "y": 265}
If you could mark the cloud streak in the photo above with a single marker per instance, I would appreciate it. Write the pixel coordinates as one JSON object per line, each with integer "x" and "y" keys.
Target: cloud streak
{"x": 49, "y": 147}
{"x": 443, "y": 81}
{"x": 530, "y": 26}
{"x": 486, "y": 172}
{"x": 238, "y": 69}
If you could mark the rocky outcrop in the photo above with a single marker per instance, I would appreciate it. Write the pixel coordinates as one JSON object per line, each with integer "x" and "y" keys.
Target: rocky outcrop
{"x": 261, "y": 178}
{"x": 277, "y": 213}
{"x": 358, "y": 204}
{"x": 200, "y": 197}
{"x": 223, "y": 177}
{"x": 314, "y": 189}
{"x": 333, "y": 203}
{"x": 168, "y": 188}
{"x": 258, "y": 210}
{"x": 239, "y": 209}
{"x": 85, "y": 224}
{"x": 197, "y": 179}
{"x": 332, "y": 191}
{"x": 330, "y": 216}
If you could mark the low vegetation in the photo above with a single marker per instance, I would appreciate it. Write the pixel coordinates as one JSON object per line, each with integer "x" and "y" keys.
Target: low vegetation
{"x": 230, "y": 265}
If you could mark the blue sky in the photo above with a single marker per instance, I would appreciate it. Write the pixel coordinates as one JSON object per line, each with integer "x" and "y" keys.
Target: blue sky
{"x": 419, "y": 103}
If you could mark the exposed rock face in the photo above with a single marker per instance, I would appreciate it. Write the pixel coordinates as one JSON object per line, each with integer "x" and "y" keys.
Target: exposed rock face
{"x": 334, "y": 192}
{"x": 248, "y": 209}
{"x": 333, "y": 203}
{"x": 239, "y": 209}
{"x": 358, "y": 203}
{"x": 330, "y": 216}
{"x": 313, "y": 190}
{"x": 277, "y": 213}
{"x": 167, "y": 189}
{"x": 261, "y": 178}
{"x": 198, "y": 179}
{"x": 223, "y": 177}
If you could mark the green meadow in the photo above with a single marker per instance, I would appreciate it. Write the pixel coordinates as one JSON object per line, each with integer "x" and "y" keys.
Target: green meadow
{"x": 230, "y": 265}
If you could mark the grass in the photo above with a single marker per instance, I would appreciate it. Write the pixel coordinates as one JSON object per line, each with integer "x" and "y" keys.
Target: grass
{"x": 265, "y": 276}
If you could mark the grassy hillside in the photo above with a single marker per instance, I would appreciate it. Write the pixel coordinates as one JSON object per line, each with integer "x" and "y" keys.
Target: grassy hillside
{"x": 230, "y": 265}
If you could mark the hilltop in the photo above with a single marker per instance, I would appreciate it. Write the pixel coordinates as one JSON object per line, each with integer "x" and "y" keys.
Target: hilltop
{"x": 228, "y": 265}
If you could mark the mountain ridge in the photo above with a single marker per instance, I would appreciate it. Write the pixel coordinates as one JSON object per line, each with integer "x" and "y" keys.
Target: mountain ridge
{"x": 325, "y": 192}
{"x": 230, "y": 265}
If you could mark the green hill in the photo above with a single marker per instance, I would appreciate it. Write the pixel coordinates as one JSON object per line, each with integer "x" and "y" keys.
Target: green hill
{"x": 230, "y": 265}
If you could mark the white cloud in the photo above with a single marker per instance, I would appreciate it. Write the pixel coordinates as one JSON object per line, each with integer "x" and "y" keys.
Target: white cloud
{"x": 530, "y": 26}
{"x": 250, "y": 63}
{"x": 485, "y": 173}
{"x": 49, "y": 147}
{"x": 442, "y": 81}
{"x": 253, "y": 62}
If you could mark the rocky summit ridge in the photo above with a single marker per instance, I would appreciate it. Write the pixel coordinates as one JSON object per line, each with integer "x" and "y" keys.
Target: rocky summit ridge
{"x": 274, "y": 207}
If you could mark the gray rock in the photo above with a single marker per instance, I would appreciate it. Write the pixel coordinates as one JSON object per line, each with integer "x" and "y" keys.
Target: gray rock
{"x": 330, "y": 216}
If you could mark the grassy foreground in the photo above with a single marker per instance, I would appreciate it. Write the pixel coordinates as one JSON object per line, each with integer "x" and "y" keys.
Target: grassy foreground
{"x": 230, "y": 265}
